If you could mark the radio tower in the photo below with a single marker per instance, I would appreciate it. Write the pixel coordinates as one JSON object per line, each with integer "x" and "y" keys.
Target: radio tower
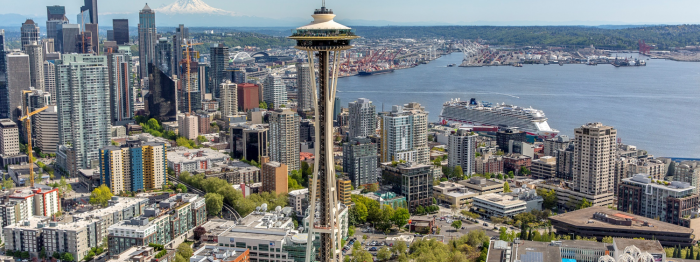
{"x": 324, "y": 39}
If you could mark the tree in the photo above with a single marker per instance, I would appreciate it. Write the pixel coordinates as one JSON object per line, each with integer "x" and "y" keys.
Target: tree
{"x": 607, "y": 239}
{"x": 524, "y": 170}
{"x": 42, "y": 253}
{"x": 199, "y": 232}
{"x": 180, "y": 258}
{"x": 64, "y": 187}
{"x": 202, "y": 139}
{"x": 584, "y": 204}
{"x": 182, "y": 188}
{"x": 56, "y": 255}
{"x": 549, "y": 198}
{"x": 385, "y": 218}
{"x": 361, "y": 256}
{"x": 399, "y": 247}
{"x": 100, "y": 196}
{"x": 420, "y": 210}
{"x": 401, "y": 217}
{"x": 458, "y": 172}
{"x": 66, "y": 256}
{"x": 360, "y": 211}
{"x": 454, "y": 209}
{"x": 506, "y": 187}
{"x": 214, "y": 203}
{"x": 185, "y": 250}
{"x": 373, "y": 187}
{"x": 263, "y": 105}
{"x": 457, "y": 224}
{"x": 8, "y": 184}
{"x": 384, "y": 254}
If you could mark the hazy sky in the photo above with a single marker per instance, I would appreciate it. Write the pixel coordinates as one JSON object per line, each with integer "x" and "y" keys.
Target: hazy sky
{"x": 437, "y": 11}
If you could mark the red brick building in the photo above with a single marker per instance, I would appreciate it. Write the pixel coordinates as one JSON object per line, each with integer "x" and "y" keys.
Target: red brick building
{"x": 513, "y": 162}
{"x": 248, "y": 96}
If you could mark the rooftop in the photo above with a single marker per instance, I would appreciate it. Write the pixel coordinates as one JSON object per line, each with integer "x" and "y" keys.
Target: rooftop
{"x": 213, "y": 253}
{"x": 116, "y": 204}
{"x": 191, "y": 155}
{"x": 499, "y": 199}
{"x": 651, "y": 246}
{"x": 609, "y": 218}
{"x": 676, "y": 186}
{"x": 531, "y": 250}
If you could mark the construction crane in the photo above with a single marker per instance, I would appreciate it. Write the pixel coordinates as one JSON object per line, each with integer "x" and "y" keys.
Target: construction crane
{"x": 27, "y": 119}
{"x": 189, "y": 80}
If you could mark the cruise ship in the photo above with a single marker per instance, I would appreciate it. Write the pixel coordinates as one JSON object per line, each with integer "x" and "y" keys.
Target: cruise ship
{"x": 484, "y": 113}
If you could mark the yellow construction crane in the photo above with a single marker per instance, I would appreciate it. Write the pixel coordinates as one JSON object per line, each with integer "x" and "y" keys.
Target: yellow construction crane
{"x": 187, "y": 51}
{"x": 29, "y": 140}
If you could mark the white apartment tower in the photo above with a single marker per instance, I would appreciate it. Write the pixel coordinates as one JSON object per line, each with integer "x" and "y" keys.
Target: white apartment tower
{"x": 274, "y": 92}
{"x": 229, "y": 99}
{"x": 363, "y": 118}
{"x": 284, "y": 138}
{"x": 462, "y": 150}
{"x": 594, "y": 159}
{"x": 404, "y": 133}
{"x": 9, "y": 138}
{"x": 304, "y": 91}
{"x": 36, "y": 65}
{"x": 188, "y": 126}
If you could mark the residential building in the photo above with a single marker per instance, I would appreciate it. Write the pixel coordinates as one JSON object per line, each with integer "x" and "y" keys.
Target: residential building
{"x": 25, "y": 236}
{"x": 249, "y": 142}
{"x": 18, "y": 80}
{"x": 657, "y": 199}
{"x": 569, "y": 199}
{"x": 50, "y": 80}
{"x": 274, "y": 176}
{"x": 29, "y": 33}
{"x": 600, "y": 222}
{"x": 299, "y": 200}
{"x": 188, "y": 126}
{"x": 219, "y": 61}
{"x": 182, "y": 34}
{"x": 415, "y": 182}
{"x": 121, "y": 31}
{"x": 565, "y": 163}
{"x": 36, "y": 64}
{"x": 488, "y": 163}
{"x": 689, "y": 172}
{"x": 503, "y": 137}
{"x": 304, "y": 88}
{"x": 307, "y": 131}
{"x": 275, "y": 92}
{"x": 133, "y": 166}
{"x": 247, "y": 96}
{"x": 9, "y": 138}
{"x": 82, "y": 97}
{"x": 216, "y": 253}
{"x": 544, "y": 168}
{"x": 522, "y": 148}
{"x": 191, "y": 160}
{"x": 229, "y": 98}
{"x": 453, "y": 194}
{"x": 360, "y": 161}
{"x": 203, "y": 124}
{"x": 344, "y": 187}
{"x": 388, "y": 198}
{"x": 594, "y": 159}
{"x": 515, "y": 162}
{"x": 46, "y": 134}
{"x": 404, "y": 134}
{"x": 147, "y": 39}
{"x": 145, "y": 253}
{"x": 284, "y": 138}
{"x": 553, "y": 145}
{"x": 462, "y": 150}
{"x": 482, "y": 185}
{"x": 653, "y": 167}
{"x": 121, "y": 88}
{"x": 498, "y": 205}
{"x": 363, "y": 118}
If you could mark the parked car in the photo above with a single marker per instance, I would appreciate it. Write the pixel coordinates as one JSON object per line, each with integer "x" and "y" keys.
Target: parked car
{"x": 373, "y": 249}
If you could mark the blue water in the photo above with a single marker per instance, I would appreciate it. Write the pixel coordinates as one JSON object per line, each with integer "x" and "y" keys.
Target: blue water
{"x": 656, "y": 108}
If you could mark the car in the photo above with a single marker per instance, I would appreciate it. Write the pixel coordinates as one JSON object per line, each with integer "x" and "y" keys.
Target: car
{"x": 486, "y": 224}
{"x": 373, "y": 249}
{"x": 417, "y": 235}
{"x": 391, "y": 244}
{"x": 462, "y": 227}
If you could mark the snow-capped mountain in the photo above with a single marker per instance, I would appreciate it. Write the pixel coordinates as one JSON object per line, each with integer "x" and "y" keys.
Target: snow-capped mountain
{"x": 192, "y": 7}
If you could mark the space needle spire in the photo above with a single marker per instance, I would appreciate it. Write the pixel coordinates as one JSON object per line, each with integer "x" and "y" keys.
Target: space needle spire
{"x": 324, "y": 40}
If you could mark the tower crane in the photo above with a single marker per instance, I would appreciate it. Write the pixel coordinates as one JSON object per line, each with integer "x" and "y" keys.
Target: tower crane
{"x": 27, "y": 119}
{"x": 188, "y": 45}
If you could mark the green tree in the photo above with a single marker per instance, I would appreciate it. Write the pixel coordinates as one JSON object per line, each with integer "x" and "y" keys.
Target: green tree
{"x": 361, "y": 212}
{"x": 214, "y": 203}
{"x": 263, "y": 105}
{"x": 100, "y": 196}
{"x": 401, "y": 217}
{"x": 185, "y": 250}
{"x": 42, "y": 253}
{"x": 64, "y": 187}
{"x": 8, "y": 184}
{"x": 66, "y": 256}
{"x": 182, "y": 188}
{"x": 399, "y": 247}
{"x": 361, "y": 256}
{"x": 373, "y": 187}
{"x": 458, "y": 172}
{"x": 202, "y": 139}
{"x": 549, "y": 198}
{"x": 584, "y": 204}
{"x": 607, "y": 239}
{"x": 180, "y": 258}
{"x": 506, "y": 188}
{"x": 384, "y": 254}
{"x": 457, "y": 224}
{"x": 420, "y": 210}
{"x": 385, "y": 218}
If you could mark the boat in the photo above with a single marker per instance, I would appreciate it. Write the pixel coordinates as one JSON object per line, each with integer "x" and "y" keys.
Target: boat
{"x": 451, "y": 65}
{"x": 375, "y": 72}
{"x": 530, "y": 120}
{"x": 518, "y": 65}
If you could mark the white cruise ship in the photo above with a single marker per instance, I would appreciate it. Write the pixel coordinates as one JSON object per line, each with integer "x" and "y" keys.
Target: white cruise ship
{"x": 482, "y": 113}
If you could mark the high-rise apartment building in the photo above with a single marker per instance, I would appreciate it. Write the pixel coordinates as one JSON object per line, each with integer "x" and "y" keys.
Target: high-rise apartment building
{"x": 284, "y": 138}
{"x": 229, "y": 99}
{"x": 219, "y": 62}
{"x": 121, "y": 31}
{"x": 9, "y": 137}
{"x": 304, "y": 91}
{"x": 46, "y": 130}
{"x": 188, "y": 126}
{"x": 134, "y": 166}
{"x": 344, "y": 187}
{"x": 363, "y": 118}
{"x": 36, "y": 65}
{"x": 82, "y": 92}
{"x": 19, "y": 79}
{"x": 275, "y": 93}
{"x": 50, "y": 80}
{"x": 147, "y": 39}
{"x": 594, "y": 161}
{"x": 307, "y": 131}
{"x": 274, "y": 176}
{"x": 404, "y": 133}
{"x": 416, "y": 183}
{"x": 360, "y": 161}
{"x": 121, "y": 88}
{"x": 689, "y": 172}
{"x": 249, "y": 141}
{"x": 29, "y": 33}
{"x": 248, "y": 96}
{"x": 462, "y": 150}
{"x": 66, "y": 38}
{"x": 552, "y": 145}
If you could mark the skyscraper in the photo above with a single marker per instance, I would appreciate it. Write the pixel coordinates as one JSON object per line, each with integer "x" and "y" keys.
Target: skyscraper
{"x": 304, "y": 92}
{"x": 188, "y": 126}
{"x": 29, "y": 33}
{"x": 36, "y": 65}
{"x": 219, "y": 62}
{"x": 121, "y": 86}
{"x": 229, "y": 99}
{"x": 134, "y": 166}
{"x": 363, "y": 118}
{"x": 249, "y": 141}
{"x": 182, "y": 33}
{"x": 275, "y": 93}
{"x": 121, "y": 31}
{"x": 56, "y": 16}
{"x": 50, "y": 80}
{"x": 284, "y": 137}
{"x": 324, "y": 38}
{"x": 404, "y": 133}
{"x": 594, "y": 159}
{"x": 93, "y": 38}
{"x": 147, "y": 39}
{"x": 161, "y": 100}
{"x": 360, "y": 161}
{"x": 91, "y": 7}
{"x": 462, "y": 150}
{"x": 82, "y": 92}
{"x": 4, "y": 90}
{"x": 248, "y": 96}
{"x": 67, "y": 35}
{"x": 19, "y": 79}
{"x": 274, "y": 176}
{"x": 47, "y": 130}
{"x": 336, "y": 108}
{"x": 164, "y": 56}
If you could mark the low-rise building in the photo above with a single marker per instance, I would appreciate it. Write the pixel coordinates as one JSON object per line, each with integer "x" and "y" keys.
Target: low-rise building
{"x": 388, "y": 198}
{"x": 488, "y": 163}
{"x": 450, "y": 193}
{"x": 567, "y": 198}
{"x": 144, "y": 254}
{"x": 274, "y": 176}
{"x": 214, "y": 253}
{"x": 482, "y": 185}
{"x": 544, "y": 168}
{"x": 513, "y": 162}
{"x": 498, "y": 205}
{"x": 191, "y": 160}
{"x": 299, "y": 201}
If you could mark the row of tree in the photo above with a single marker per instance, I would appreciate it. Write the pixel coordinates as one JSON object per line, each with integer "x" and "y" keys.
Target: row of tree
{"x": 367, "y": 210}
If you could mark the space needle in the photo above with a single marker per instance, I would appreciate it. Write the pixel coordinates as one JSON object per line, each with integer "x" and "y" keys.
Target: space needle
{"x": 324, "y": 39}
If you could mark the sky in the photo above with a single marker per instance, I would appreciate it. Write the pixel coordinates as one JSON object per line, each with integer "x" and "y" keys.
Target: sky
{"x": 462, "y": 12}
